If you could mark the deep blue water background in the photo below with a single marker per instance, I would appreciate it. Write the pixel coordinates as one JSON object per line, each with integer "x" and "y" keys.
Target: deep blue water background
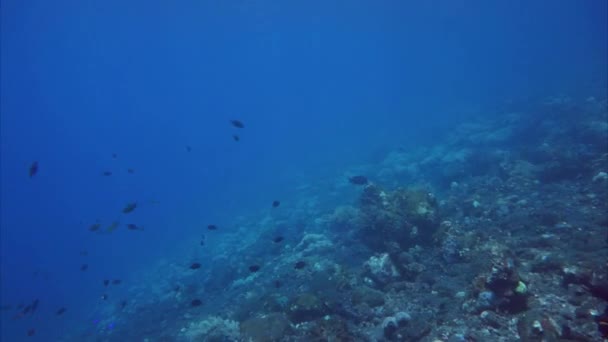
{"x": 320, "y": 86}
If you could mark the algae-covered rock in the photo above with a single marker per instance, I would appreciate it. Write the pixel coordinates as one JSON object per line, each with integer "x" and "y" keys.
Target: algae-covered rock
{"x": 267, "y": 328}
{"x": 306, "y": 307}
{"x": 397, "y": 220}
{"x": 369, "y": 296}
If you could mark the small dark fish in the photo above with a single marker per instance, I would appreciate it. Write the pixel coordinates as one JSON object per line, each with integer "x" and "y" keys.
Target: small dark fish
{"x": 195, "y": 266}
{"x": 254, "y": 268}
{"x": 276, "y": 204}
{"x": 176, "y": 288}
{"x": 31, "y": 332}
{"x": 358, "y": 180}
{"x": 33, "y": 169}
{"x": 236, "y": 137}
{"x": 212, "y": 227}
{"x": 123, "y": 304}
{"x": 237, "y": 123}
{"x": 34, "y": 305}
{"x": 61, "y": 311}
{"x": 95, "y": 227}
{"x": 299, "y": 265}
{"x": 188, "y": 148}
{"x": 129, "y": 207}
{"x": 116, "y": 282}
{"x": 277, "y": 284}
{"x": 196, "y": 302}
{"x": 84, "y": 267}
{"x": 107, "y": 173}
{"x": 106, "y": 282}
{"x": 132, "y": 226}
{"x": 202, "y": 242}
{"x": 278, "y": 239}
{"x": 131, "y": 171}
{"x": 27, "y": 309}
{"x": 104, "y": 296}
{"x": 114, "y": 155}
{"x": 113, "y": 226}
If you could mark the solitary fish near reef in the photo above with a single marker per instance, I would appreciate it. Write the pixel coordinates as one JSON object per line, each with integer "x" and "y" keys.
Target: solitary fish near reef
{"x": 278, "y": 239}
{"x": 106, "y": 282}
{"x": 254, "y": 268}
{"x": 94, "y": 227}
{"x": 107, "y": 173}
{"x": 299, "y": 265}
{"x": 276, "y": 204}
{"x": 132, "y": 226}
{"x": 33, "y": 169}
{"x": 84, "y": 267}
{"x": 31, "y": 332}
{"x": 358, "y": 180}
{"x": 195, "y": 266}
{"x": 129, "y": 207}
{"x": 113, "y": 226}
{"x": 196, "y": 302}
{"x": 212, "y": 227}
{"x": 131, "y": 171}
{"x": 237, "y": 123}
{"x": 114, "y": 155}
{"x": 188, "y": 148}
{"x": 236, "y": 137}
{"x": 61, "y": 311}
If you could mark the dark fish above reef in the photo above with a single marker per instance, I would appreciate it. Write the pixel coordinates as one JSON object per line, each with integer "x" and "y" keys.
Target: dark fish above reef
{"x": 188, "y": 148}
{"x": 276, "y": 204}
{"x": 358, "y": 180}
{"x": 237, "y": 123}
{"x": 113, "y": 226}
{"x": 94, "y": 227}
{"x": 129, "y": 207}
{"x": 195, "y": 266}
{"x": 84, "y": 267}
{"x": 132, "y": 226}
{"x": 31, "y": 332}
{"x": 299, "y": 265}
{"x": 131, "y": 171}
{"x": 33, "y": 169}
{"x": 212, "y": 227}
{"x": 278, "y": 239}
{"x": 254, "y": 268}
{"x": 61, "y": 311}
{"x": 114, "y": 155}
{"x": 106, "y": 282}
{"x": 196, "y": 302}
{"x": 236, "y": 137}
{"x": 107, "y": 173}
{"x": 104, "y": 296}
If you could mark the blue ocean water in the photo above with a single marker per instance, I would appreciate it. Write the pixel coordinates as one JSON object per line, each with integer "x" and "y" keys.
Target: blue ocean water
{"x": 89, "y": 87}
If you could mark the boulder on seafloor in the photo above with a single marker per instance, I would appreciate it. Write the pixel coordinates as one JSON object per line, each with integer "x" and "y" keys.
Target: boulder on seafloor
{"x": 397, "y": 220}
